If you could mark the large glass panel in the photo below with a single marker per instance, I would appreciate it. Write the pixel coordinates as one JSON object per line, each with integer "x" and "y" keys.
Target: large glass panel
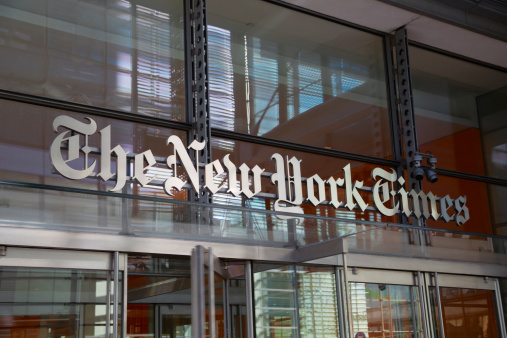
{"x": 274, "y": 73}
{"x": 26, "y": 135}
{"x": 275, "y": 306}
{"x": 467, "y": 313}
{"x": 460, "y": 112}
{"x": 318, "y": 308}
{"x": 116, "y": 54}
{"x": 325, "y": 167}
{"x": 159, "y": 298}
{"x": 477, "y": 202}
{"x": 54, "y": 303}
{"x": 383, "y": 310}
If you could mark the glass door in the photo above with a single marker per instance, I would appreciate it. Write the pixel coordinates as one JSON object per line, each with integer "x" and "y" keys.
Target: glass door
{"x": 465, "y": 306}
{"x": 56, "y": 293}
{"x": 384, "y": 304}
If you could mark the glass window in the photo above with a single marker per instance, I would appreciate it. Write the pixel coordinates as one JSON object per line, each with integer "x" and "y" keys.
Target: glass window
{"x": 108, "y": 53}
{"x": 27, "y": 135}
{"x": 477, "y": 203}
{"x": 288, "y": 296}
{"x": 50, "y": 303}
{"x": 318, "y": 308}
{"x": 383, "y": 310}
{"x": 460, "y": 112}
{"x": 282, "y": 74}
{"x": 275, "y": 306}
{"x": 466, "y": 312}
{"x": 310, "y": 230}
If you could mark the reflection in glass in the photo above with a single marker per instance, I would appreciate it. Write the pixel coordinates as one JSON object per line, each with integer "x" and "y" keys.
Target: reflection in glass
{"x": 273, "y": 73}
{"x": 477, "y": 202}
{"x": 466, "y": 313}
{"x": 51, "y": 303}
{"x": 109, "y": 53}
{"x": 460, "y": 112}
{"x": 159, "y": 297}
{"x": 274, "y": 297}
{"x": 383, "y": 310}
{"x": 318, "y": 310}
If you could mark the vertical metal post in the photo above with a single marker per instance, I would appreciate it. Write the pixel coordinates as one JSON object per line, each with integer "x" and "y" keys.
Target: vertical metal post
{"x": 423, "y": 308}
{"x": 249, "y": 299}
{"x": 296, "y": 301}
{"x": 211, "y": 288}
{"x": 500, "y": 317}
{"x": 197, "y": 282}
{"x": 407, "y": 116}
{"x": 115, "y": 294}
{"x": 347, "y": 295}
{"x": 226, "y": 308}
{"x": 108, "y": 304}
{"x": 201, "y": 130}
{"x": 439, "y": 306}
{"x": 339, "y": 299}
{"x": 124, "y": 298}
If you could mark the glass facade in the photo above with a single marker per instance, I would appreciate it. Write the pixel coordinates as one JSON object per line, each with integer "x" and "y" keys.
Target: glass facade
{"x": 294, "y": 175}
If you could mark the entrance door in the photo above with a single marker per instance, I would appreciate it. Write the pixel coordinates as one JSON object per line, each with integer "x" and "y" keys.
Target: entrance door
{"x": 57, "y": 293}
{"x": 385, "y": 304}
{"x": 466, "y": 306}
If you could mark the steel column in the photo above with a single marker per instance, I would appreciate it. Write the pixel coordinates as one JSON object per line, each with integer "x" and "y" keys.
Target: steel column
{"x": 423, "y": 307}
{"x": 339, "y": 301}
{"x": 439, "y": 306}
{"x": 197, "y": 283}
{"x": 407, "y": 116}
{"x": 115, "y": 294}
{"x": 249, "y": 299}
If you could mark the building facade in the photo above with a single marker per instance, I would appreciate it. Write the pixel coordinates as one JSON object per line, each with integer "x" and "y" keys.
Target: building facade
{"x": 252, "y": 168}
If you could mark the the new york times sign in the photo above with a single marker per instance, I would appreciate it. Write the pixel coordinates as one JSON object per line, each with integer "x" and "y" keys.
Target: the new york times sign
{"x": 291, "y": 190}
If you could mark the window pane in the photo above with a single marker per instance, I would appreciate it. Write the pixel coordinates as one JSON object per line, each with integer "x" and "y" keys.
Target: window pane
{"x": 467, "y": 312}
{"x": 380, "y": 310}
{"x": 46, "y": 302}
{"x": 108, "y": 53}
{"x": 311, "y": 230}
{"x": 275, "y": 309}
{"x": 460, "y": 113}
{"x": 318, "y": 311}
{"x": 26, "y": 154}
{"x": 477, "y": 202}
{"x": 273, "y": 72}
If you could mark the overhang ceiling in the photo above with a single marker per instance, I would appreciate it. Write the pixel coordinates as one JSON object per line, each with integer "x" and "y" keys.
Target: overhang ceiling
{"x": 425, "y": 29}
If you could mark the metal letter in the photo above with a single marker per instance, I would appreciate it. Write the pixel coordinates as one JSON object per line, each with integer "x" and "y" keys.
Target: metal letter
{"x": 139, "y": 167}
{"x": 386, "y": 192}
{"x": 460, "y": 220}
{"x": 421, "y": 198}
{"x": 279, "y": 179}
{"x": 55, "y": 151}
{"x": 351, "y": 192}
{"x": 231, "y": 174}
{"x": 105, "y": 160}
{"x": 245, "y": 184}
{"x": 209, "y": 178}
{"x": 333, "y": 190}
{"x": 192, "y": 172}
{"x": 445, "y": 204}
{"x": 320, "y": 188}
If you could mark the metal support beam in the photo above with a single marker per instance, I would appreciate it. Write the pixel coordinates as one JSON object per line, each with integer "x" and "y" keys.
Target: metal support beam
{"x": 198, "y": 292}
{"x": 249, "y": 300}
{"x": 439, "y": 306}
{"x": 407, "y": 116}
{"x": 115, "y": 293}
